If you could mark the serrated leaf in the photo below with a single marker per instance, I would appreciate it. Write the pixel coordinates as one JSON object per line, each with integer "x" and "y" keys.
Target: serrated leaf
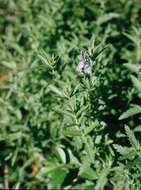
{"x": 102, "y": 180}
{"x": 134, "y": 142}
{"x": 131, "y": 112}
{"x": 126, "y": 152}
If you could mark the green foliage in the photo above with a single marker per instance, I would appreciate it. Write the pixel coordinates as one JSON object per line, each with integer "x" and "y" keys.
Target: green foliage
{"x": 132, "y": 111}
{"x": 61, "y": 128}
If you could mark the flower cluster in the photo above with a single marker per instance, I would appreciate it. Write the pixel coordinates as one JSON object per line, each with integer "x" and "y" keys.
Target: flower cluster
{"x": 84, "y": 65}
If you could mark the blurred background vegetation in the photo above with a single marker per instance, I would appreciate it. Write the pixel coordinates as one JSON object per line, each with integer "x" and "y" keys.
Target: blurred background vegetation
{"x": 60, "y": 129}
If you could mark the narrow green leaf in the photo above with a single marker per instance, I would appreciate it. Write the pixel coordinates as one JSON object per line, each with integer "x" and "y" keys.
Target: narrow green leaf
{"x": 87, "y": 130}
{"x": 136, "y": 83}
{"x": 9, "y": 65}
{"x": 44, "y": 58}
{"x": 71, "y": 132}
{"x": 106, "y": 17}
{"x": 72, "y": 158}
{"x": 61, "y": 154}
{"x": 133, "y": 67}
{"x": 134, "y": 38}
{"x": 56, "y": 90}
{"x": 131, "y": 112}
{"x": 137, "y": 128}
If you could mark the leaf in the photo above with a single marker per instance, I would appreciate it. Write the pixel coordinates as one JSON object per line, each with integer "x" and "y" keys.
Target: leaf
{"x": 75, "y": 90}
{"x": 131, "y": 112}
{"x": 51, "y": 167}
{"x": 15, "y": 136}
{"x": 133, "y": 67}
{"x": 134, "y": 142}
{"x": 82, "y": 111}
{"x": 87, "y": 130}
{"x": 134, "y": 38}
{"x": 136, "y": 83}
{"x": 44, "y": 58}
{"x": 89, "y": 147}
{"x": 9, "y": 65}
{"x": 88, "y": 185}
{"x": 137, "y": 129}
{"x": 71, "y": 132}
{"x": 98, "y": 139}
{"x": 126, "y": 152}
{"x": 65, "y": 112}
{"x": 72, "y": 158}
{"x": 98, "y": 51}
{"x": 61, "y": 153}
{"x": 106, "y": 17}
{"x": 15, "y": 155}
{"x": 57, "y": 179}
{"x": 102, "y": 179}
{"x": 87, "y": 172}
{"x": 56, "y": 90}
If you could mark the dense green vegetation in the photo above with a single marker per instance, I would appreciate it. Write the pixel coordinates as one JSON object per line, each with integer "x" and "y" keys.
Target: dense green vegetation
{"x": 59, "y": 127}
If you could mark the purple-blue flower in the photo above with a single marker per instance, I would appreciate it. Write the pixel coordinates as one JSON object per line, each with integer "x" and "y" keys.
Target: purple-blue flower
{"x": 84, "y": 65}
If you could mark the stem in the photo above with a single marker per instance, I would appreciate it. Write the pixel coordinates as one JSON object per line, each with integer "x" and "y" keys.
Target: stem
{"x": 6, "y": 177}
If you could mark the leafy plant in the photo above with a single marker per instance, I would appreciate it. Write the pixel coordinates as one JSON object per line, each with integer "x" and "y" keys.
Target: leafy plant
{"x": 69, "y": 107}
